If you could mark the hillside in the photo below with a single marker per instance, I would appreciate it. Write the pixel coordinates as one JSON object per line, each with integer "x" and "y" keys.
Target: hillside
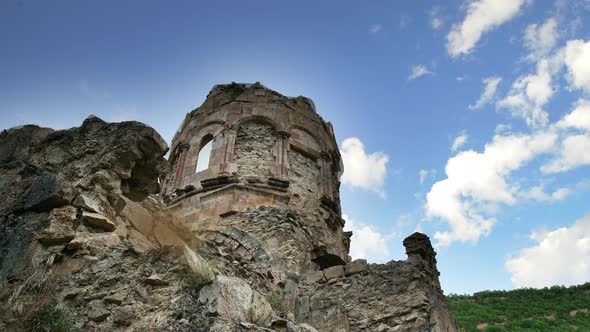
{"x": 549, "y": 309}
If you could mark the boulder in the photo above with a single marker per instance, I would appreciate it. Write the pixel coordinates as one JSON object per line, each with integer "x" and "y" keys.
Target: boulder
{"x": 232, "y": 298}
{"x": 97, "y": 311}
{"x": 88, "y": 202}
{"x": 334, "y": 272}
{"x": 124, "y": 315}
{"x": 137, "y": 215}
{"x": 98, "y": 220}
{"x": 356, "y": 266}
{"x": 93, "y": 242}
{"x": 314, "y": 277}
{"x": 61, "y": 226}
{"x": 47, "y": 192}
{"x": 139, "y": 244}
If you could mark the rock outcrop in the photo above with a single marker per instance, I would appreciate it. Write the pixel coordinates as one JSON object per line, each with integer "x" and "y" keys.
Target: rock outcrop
{"x": 99, "y": 232}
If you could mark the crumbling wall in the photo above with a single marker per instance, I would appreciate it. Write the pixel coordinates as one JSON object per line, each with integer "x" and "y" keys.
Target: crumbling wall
{"x": 396, "y": 296}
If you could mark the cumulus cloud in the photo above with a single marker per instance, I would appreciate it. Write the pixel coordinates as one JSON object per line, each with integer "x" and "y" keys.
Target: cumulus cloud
{"x": 479, "y": 183}
{"x": 482, "y": 16}
{"x": 366, "y": 242}
{"x": 459, "y": 141}
{"x": 559, "y": 257}
{"x": 529, "y": 94}
{"x": 489, "y": 91}
{"x": 540, "y": 39}
{"x": 418, "y": 71}
{"x": 363, "y": 170}
{"x": 476, "y": 184}
{"x": 574, "y": 147}
{"x": 577, "y": 60}
{"x": 579, "y": 118}
{"x": 573, "y": 153}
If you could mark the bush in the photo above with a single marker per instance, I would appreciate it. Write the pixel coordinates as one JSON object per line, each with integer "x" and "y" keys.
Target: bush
{"x": 54, "y": 318}
{"x": 526, "y": 309}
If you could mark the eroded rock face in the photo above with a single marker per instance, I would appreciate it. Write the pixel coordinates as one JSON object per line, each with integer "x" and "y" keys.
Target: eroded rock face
{"x": 252, "y": 243}
{"x": 59, "y": 190}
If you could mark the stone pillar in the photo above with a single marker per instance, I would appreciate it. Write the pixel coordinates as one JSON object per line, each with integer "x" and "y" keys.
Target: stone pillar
{"x": 325, "y": 176}
{"x": 182, "y": 152}
{"x": 229, "y": 141}
{"x": 281, "y": 169}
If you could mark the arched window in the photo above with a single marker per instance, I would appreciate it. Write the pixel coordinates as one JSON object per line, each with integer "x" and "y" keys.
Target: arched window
{"x": 204, "y": 155}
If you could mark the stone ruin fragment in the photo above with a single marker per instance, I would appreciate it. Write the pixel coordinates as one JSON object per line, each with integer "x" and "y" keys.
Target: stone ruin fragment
{"x": 239, "y": 230}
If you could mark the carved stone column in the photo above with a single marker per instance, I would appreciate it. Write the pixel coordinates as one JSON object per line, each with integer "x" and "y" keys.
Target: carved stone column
{"x": 182, "y": 152}
{"x": 229, "y": 141}
{"x": 281, "y": 169}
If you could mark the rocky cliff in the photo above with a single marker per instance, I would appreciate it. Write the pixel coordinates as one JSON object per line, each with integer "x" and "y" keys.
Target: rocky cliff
{"x": 89, "y": 240}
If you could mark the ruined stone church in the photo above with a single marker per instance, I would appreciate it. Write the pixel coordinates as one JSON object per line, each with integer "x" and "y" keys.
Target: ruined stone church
{"x": 240, "y": 229}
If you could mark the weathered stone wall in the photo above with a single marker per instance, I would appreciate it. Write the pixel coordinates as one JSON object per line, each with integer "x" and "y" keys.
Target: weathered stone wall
{"x": 254, "y": 147}
{"x": 303, "y": 182}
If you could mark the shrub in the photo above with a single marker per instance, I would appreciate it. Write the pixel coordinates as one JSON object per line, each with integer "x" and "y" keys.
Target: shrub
{"x": 54, "y": 318}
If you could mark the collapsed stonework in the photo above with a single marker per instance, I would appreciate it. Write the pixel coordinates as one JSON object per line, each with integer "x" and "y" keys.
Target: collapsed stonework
{"x": 240, "y": 230}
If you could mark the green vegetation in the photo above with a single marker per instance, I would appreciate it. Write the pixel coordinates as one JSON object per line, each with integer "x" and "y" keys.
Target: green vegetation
{"x": 545, "y": 310}
{"x": 197, "y": 272}
{"x": 276, "y": 299}
{"x": 258, "y": 318}
{"x": 54, "y": 318}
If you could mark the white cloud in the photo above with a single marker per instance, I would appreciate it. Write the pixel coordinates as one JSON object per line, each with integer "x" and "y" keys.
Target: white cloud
{"x": 577, "y": 60}
{"x": 375, "y": 28}
{"x": 574, "y": 146}
{"x": 476, "y": 184}
{"x": 579, "y": 118}
{"x": 459, "y": 141}
{"x": 573, "y": 153}
{"x": 529, "y": 94}
{"x": 482, "y": 16}
{"x": 424, "y": 174}
{"x": 366, "y": 242}
{"x": 540, "y": 39}
{"x": 362, "y": 170}
{"x": 479, "y": 183}
{"x": 559, "y": 257}
{"x": 538, "y": 193}
{"x": 418, "y": 71}
{"x": 489, "y": 91}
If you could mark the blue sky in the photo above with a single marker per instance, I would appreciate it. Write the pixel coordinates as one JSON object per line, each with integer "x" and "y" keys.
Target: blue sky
{"x": 504, "y": 83}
